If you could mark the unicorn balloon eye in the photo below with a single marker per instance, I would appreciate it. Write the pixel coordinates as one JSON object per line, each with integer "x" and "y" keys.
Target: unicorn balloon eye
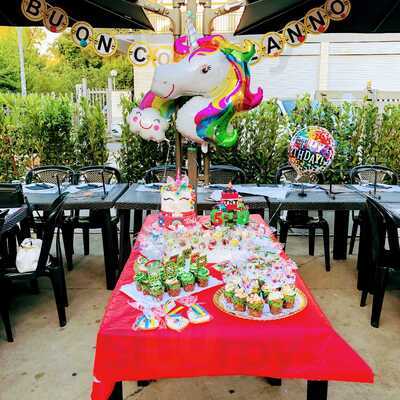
{"x": 205, "y": 68}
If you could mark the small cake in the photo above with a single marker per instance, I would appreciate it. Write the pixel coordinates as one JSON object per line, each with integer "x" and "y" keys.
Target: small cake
{"x": 289, "y": 296}
{"x": 230, "y": 210}
{"x": 229, "y": 292}
{"x": 147, "y": 324}
{"x": 255, "y": 305}
{"x": 202, "y": 276}
{"x": 177, "y": 202}
{"x": 176, "y": 322}
{"x": 275, "y": 301}
{"x": 198, "y": 314}
{"x": 239, "y": 300}
{"x": 187, "y": 279}
{"x": 173, "y": 286}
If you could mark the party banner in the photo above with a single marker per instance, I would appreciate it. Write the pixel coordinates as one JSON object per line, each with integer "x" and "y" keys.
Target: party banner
{"x": 272, "y": 44}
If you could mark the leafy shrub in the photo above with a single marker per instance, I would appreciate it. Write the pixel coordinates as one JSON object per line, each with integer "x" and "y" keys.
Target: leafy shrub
{"x": 90, "y": 135}
{"x": 262, "y": 144}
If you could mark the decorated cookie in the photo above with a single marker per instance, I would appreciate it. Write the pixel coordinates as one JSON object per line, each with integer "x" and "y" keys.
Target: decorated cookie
{"x": 176, "y": 322}
{"x": 198, "y": 314}
{"x": 147, "y": 324}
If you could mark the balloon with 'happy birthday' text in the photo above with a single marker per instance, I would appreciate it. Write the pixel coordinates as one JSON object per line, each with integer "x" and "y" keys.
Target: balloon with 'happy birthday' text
{"x": 311, "y": 150}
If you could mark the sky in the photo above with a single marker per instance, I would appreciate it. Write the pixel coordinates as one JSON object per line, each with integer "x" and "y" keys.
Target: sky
{"x": 50, "y": 38}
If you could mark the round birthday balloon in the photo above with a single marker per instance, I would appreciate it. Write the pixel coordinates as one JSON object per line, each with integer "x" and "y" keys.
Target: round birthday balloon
{"x": 311, "y": 150}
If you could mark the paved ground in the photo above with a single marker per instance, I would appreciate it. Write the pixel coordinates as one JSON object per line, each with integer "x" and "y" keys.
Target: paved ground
{"x": 46, "y": 362}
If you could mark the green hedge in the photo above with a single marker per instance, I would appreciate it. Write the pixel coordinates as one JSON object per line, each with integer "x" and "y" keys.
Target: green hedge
{"x": 40, "y": 130}
{"x": 55, "y": 131}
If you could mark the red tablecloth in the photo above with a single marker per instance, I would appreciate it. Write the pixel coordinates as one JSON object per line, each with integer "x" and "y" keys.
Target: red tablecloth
{"x": 304, "y": 346}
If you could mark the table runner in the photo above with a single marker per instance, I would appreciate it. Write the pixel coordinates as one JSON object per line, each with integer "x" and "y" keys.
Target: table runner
{"x": 304, "y": 346}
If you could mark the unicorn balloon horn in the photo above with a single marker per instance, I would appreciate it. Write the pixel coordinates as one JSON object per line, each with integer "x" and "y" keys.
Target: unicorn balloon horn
{"x": 191, "y": 31}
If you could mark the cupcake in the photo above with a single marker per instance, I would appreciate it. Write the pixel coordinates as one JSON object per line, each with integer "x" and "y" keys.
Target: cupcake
{"x": 141, "y": 280}
{"x": 201, "y": 261}
{"x": 239, "y": 300}
{"x": 265, "y": 291}
{"x": 187, "y": 279}
{"x": 193, "y": 269}
{"x": 173, "y": 286}
{"x": 275, "y": 301}
{"x": 289, "y": 296}
{"x": 255, "y": 305}
{"x": 156, "y": 289}
{"x": 187, "y": 252}
{"x": 202, "y": 276}
{"x": 229, "y": 291}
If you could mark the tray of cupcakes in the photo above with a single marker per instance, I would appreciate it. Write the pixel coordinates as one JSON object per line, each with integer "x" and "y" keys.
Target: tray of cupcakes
{"x": 259, "y": 295}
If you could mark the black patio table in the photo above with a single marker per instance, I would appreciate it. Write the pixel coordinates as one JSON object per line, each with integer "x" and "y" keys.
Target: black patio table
{"x": 90, "y": 200}
{"x": 140, "y": 201}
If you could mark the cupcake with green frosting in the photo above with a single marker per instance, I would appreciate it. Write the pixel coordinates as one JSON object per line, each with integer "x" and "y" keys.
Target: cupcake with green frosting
{"x": 156, "y": 289}
{"x": 141, "y": 280}
{"x": 193, "y": 269}
{"x": 289, "y": 296}
{"x": 275, "y": 301}
{"x": 229, "y": 291}
{"x": 255, "y": 305}
{"x": 187, "y": 279}
{"x": 202, "y": 276}
{"x": 239, "y": 300}
{"x": 173, "y": 286}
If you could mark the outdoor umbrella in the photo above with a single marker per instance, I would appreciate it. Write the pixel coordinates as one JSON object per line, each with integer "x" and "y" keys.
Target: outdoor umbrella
{"x": 98, "y": 13}
{"x": 366, "y": 16}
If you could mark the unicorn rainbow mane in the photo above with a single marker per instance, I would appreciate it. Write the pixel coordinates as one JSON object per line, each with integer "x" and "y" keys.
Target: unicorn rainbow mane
{"x": 233, "y": 96}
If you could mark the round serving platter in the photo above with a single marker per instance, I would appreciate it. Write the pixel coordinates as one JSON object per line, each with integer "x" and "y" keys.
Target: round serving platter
{"x": 299, "y": 305}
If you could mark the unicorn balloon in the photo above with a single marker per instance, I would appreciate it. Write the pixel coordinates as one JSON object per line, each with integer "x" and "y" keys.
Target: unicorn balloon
{"x": 212, "y": 78}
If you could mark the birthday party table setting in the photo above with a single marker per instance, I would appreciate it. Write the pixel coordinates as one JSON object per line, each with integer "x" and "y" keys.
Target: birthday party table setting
{"x": 215, "y": 296}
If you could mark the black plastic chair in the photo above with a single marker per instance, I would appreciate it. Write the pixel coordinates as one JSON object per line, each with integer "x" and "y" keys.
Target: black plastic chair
{"x": 160, "y": 173}
{"x": 47, "y": 266}
{"x": 11, "y": 196}
{"x": 300, "y": 218}
{"x": 381, "y": 261}
{"x": 56, "y": 174}
{"x": 370, "y": 174}
{"x": 226, "y": 174}
{"x": 92, "y": 174}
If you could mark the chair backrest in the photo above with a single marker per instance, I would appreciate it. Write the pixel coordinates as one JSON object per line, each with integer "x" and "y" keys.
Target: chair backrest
{"x": 160, "y": 173}
{"x": 49, "y": 174}
{"x": 377, "y": 231}
{"x": 95, "y": 174}
{"x": 382, "y": 222}
{"x": 48, "y": 230}
{"x": 226, "y": 174}
{"x": 11, "y": 195}
{"x": 287, "y": 174}
{"x": 371, "y": 172}
{"x": 3, "y": 215}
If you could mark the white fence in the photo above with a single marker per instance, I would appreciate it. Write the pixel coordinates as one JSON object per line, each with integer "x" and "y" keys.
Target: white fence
{"x": 380, "y": 97}
{"x": 108, "y": 99}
